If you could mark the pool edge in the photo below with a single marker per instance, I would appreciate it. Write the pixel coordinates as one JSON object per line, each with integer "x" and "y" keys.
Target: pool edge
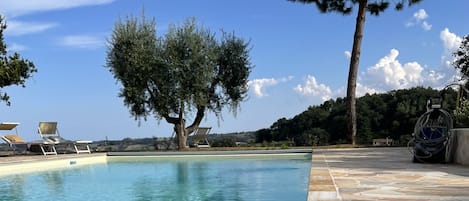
{"x": 45, "y": 163}
{"x": 205, "y": 153}
{"x": 321, "y": 183}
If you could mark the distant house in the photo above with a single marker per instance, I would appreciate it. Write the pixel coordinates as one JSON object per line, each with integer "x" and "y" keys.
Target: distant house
{"x": 382, "y": 142}
{"x": 241, "y": 144}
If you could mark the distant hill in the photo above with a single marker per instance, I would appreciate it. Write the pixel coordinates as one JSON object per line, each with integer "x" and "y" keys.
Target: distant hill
{"x": 162, "y": 143}
{"x": 386, "y": 115}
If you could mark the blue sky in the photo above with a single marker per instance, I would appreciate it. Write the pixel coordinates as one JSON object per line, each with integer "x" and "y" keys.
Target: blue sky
{"x": 301, "y": 58}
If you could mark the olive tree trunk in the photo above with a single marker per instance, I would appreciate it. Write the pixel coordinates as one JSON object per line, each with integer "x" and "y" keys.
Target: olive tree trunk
{"x": 181, "y": 136}
{"x": 183, "y": 132}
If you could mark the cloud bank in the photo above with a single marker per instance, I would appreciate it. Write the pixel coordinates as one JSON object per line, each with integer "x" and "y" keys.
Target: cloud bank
{"x": 83, "y": 41}
{"x": 451, "y": 43}
{"x": 257, "y": 86}
{"x": 14, "y": 8}
{"x": 18, "y": 28}
{"x": 389, "y": 73}
{"x": 314, "y": 89}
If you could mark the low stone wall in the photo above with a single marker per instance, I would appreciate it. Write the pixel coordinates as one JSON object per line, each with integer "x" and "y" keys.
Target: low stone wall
{"x": 460, "y": 146}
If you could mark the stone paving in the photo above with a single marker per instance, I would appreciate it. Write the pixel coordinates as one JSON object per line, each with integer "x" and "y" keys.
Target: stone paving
{"x": 383, "y": 174}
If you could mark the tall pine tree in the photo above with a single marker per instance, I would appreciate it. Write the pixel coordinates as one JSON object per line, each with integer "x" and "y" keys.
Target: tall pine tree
{"x": 345, "y": 7}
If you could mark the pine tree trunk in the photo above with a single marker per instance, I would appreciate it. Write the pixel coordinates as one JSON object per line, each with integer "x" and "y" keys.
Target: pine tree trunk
{"x": 353, "y": 71}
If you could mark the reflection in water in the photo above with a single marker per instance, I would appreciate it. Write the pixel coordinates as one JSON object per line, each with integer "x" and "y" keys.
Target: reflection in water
{"x": 12, "y": 188}
{"x": 54, "y": 181}
{"x": 144, "y": 189}
{"x": 188, "y": 181}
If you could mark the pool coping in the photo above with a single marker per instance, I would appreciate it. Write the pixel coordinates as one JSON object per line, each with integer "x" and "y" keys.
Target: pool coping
{"x": 321, "y": 183}
{"x": 221, "y": 153}
{"x": 45, "y": 163}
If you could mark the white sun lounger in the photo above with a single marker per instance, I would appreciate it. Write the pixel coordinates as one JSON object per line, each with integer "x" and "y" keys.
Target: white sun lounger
{"x": 13, "y": 139}
{"x": 199, "y": 139}
{"x": 50, "y": 133}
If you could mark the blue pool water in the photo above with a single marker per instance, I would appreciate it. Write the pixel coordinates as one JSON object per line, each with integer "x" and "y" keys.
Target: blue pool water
{"x": 167, "y": 179}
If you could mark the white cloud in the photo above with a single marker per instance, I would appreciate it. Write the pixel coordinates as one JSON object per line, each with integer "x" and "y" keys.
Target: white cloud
{"x": 312, "y": 88}
{"x": 362, "y": 90}
{"x": 348, "y": 54}
{"x": 450, "y": 40}
{"x": 426, "y": 26}
{"x": 83, "y": 41}
{"x": 14, "y": 47}
{"x": 420, "y": 15}
{"x": 451, "y": 43}
{"x": 17, "y": 28}
{"x": 13, "y": 8}
{"x": 419, "y": 19}
{"x": 258, "y": 85}
{"x": 389, "y": 74}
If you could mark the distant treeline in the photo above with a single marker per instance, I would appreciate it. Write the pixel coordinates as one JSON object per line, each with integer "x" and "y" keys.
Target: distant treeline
{"x": 391, "y": 114}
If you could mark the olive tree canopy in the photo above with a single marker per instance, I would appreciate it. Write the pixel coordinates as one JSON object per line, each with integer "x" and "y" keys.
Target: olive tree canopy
{"x": 179, "y": 76}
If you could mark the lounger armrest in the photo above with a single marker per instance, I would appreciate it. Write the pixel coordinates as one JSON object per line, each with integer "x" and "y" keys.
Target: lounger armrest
{"x": 83, "y": 141}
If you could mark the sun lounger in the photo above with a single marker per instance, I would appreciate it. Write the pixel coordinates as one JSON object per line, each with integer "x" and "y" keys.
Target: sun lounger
{"x": 14, "y": 140}
{"x": 50, "y": 133}
{"x": 199, "y": 139}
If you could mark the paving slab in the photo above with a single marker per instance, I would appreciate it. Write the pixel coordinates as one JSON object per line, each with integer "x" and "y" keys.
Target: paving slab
{"x": 386, "y": 174}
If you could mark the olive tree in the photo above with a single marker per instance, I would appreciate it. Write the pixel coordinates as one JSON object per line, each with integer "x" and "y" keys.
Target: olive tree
{"x": 180, "y": 76}
{"x": 345, "y": 7}
{"x": 14, "y": 70}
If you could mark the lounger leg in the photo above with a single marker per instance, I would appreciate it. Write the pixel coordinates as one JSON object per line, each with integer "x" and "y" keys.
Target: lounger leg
{"x": 88, "y": 150}
{"x": 42, "y": 149}
{"x": 51, "y": 151}
{"x": 76, "y": 149}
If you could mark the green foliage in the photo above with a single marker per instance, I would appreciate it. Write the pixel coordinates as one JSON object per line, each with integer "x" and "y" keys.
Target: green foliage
{"x": 461, "y": 116}
{"x": 14, "y": 70}
{"x": 263, "y": 135}
{"x": 314, "y": 136}
{"x": 184, "y": 71}
{"x": 284, "y": 146}
{"x": 462, "y": 57}
{"x": 224, "y": 142}
{"x": 391, "y": 114}
{"x": 374, "y": 7}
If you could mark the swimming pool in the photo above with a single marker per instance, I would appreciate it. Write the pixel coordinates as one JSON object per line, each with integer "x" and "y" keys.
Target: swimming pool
{"x": 236, "y": 178}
